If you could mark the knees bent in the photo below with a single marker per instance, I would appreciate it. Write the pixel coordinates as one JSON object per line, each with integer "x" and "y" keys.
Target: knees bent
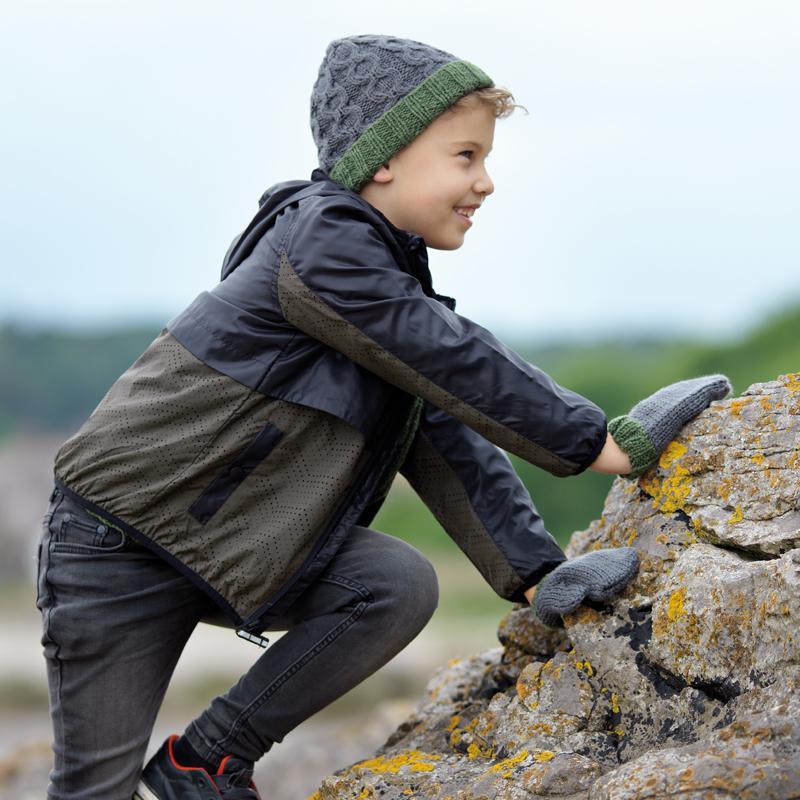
{"x": 405, "y": 581}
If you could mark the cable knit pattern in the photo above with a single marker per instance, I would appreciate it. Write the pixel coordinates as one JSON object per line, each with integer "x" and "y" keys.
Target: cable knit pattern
{"x": 599, "y": 576}
{"x": 362, "y": 78}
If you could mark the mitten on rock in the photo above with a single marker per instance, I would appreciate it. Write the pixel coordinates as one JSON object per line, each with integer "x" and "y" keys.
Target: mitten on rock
{"x": 598, "y": 575}
{"x": 652, "y": 424}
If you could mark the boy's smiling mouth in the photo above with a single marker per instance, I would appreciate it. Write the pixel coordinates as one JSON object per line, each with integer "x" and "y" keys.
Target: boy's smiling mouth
{"x": 466, "y": 212}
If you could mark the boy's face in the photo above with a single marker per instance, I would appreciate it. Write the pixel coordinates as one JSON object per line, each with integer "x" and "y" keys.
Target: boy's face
{"x": 434, "y": 184}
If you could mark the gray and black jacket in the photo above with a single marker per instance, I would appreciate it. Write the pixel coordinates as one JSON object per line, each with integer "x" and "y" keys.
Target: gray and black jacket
{"x": 271, "y": 415}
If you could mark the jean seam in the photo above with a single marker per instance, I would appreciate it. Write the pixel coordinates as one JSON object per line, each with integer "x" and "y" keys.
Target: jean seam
{"x": 48, "y": 591}
{"x": 217, "y": 750}
{"x": 348, "y": 583}
{"x": 86, "y": 549}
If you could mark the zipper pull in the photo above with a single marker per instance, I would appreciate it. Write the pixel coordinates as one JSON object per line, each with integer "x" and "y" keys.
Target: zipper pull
{"x": 261, "y": 641}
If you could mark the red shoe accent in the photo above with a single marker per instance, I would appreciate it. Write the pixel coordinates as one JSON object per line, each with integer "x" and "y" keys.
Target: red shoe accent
{"x": 175, "y": 764}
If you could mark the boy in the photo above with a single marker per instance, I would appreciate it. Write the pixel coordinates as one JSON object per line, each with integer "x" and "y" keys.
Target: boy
{"x": 234, "y": 468}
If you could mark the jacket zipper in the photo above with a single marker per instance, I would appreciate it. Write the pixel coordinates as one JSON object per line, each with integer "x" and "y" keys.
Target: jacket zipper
{"x": 251, "y": 630}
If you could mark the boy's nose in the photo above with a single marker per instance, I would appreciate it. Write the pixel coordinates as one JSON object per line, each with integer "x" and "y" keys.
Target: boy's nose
{"x": 484, "y": 185}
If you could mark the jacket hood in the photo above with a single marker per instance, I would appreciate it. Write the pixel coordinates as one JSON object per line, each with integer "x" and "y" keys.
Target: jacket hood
{"x": 286, "y": 193}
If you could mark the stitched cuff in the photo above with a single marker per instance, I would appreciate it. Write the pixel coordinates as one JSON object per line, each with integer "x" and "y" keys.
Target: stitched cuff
{"x": 631, "y": 437}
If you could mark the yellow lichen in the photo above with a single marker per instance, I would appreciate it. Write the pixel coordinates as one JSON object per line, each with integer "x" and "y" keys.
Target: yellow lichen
{"x": 650, "y": 484}
{"x": 506, "y": 766}
{"x": 673, "y": 492}
{"x": 540, "y": 727}
{"x": 475, "y": 750}
{"x": 792, "y": 381}
{"x": 675, "y": 607}
{"x": 691, "y": 535}
{"x": 585, "y": 666}
{"x": 672, "y": 452}
{"x": 548, "y": 668}
{"x": 670, "y": 493}
{"x": 453, "y": 722}
{"x": 415, "y": 760}
{"x": 543, "y": 755}
{"x": 583, "y": 615}
{"x": 366, "y": 792}
{"x": 736, "y": 517}
{"x": 737, "y": 405}
{"x": 631, "y": 537}
{"x": 758, "y": 458}
{"x": 614, "y": 703}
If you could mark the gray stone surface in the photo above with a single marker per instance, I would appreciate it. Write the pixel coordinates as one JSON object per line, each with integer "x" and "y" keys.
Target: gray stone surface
{"x": 685, "y": 686}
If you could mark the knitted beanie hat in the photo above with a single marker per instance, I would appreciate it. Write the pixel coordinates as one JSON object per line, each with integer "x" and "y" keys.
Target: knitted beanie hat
{"x": 375, "y": 94}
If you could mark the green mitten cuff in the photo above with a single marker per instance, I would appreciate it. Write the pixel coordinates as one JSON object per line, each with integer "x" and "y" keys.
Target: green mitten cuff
{"x": 631, "y": 437}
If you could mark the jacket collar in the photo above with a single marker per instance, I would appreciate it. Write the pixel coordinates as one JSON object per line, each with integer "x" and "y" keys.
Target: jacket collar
{"x": 409, "y": 241}
{"x": 412, "y": 245}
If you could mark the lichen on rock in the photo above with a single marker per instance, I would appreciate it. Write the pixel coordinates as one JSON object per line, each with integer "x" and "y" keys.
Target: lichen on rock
{"x": 686, "y": 685}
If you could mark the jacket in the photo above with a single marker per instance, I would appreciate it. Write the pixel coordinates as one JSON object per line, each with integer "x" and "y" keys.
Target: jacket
{"x": 271, "y": 415}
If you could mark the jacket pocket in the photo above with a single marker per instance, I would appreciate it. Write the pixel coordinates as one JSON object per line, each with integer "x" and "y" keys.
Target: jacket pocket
{"x": 213, "y": 497}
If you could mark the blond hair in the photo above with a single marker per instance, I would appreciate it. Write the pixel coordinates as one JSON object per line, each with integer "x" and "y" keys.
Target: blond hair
{"x": 500, "y": 100}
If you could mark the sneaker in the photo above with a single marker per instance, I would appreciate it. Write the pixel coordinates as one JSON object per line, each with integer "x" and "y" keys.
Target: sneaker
{"x": 165, "y": 779}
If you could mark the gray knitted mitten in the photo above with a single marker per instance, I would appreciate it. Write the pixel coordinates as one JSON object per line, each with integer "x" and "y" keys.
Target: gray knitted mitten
{"x": 598, "y": 575}
{"x": 652, "y": 424}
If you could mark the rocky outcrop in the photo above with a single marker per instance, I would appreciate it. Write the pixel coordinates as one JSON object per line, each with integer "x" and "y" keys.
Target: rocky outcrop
{"x": 685, "y": 686}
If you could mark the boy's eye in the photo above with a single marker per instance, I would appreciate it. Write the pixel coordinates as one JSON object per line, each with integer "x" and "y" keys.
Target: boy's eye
{"x": 467, "y": 153}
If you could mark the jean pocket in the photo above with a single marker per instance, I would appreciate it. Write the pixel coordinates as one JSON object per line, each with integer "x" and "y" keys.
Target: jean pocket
{"x": 82, "y": 533}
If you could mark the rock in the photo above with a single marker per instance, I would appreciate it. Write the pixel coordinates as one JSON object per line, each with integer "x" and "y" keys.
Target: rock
{"x": 686, "y": 685}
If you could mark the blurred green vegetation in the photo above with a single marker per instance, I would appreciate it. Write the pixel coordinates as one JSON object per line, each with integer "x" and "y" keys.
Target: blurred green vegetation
{"x": 51, "y": 380}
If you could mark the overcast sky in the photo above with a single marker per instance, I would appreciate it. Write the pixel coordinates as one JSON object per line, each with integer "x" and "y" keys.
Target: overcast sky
{"x": 652, "y": 187}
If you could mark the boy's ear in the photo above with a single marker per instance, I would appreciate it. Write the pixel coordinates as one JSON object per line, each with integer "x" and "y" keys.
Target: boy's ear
{"x": 384, "y": 174}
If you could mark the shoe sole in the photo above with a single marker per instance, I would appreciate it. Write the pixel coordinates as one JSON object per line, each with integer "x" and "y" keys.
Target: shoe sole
{"x": 143, "y": 792}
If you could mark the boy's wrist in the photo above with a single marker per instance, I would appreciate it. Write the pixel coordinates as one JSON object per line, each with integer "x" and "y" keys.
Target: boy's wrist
{"x": 612, "y": 459}
{"x": 529, "y": 593}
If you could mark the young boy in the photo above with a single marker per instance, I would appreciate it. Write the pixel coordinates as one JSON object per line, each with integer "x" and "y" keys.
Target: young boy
{"x": 233, "y": 470}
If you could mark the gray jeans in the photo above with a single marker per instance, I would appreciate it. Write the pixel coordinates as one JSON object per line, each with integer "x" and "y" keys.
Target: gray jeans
{"x": 116, "y": 617}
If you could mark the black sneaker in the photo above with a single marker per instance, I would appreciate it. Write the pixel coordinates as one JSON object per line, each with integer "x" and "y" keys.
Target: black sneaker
{"x": 165, "y": 779}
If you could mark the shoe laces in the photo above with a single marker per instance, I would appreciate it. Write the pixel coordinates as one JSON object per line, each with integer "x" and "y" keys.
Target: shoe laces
{"x": 234, "y": 779}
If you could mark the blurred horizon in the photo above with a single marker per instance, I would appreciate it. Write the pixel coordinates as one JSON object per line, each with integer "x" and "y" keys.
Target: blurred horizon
{"x": 513, "y": 337}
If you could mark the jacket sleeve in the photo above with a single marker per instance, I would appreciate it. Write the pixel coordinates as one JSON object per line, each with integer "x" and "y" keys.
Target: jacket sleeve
{"x": 339, "y": 282}
{"x": 474, "y": 492}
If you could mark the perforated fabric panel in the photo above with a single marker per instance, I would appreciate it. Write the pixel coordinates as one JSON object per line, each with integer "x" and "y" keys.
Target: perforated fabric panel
{"x": 266, "y": 529}
{"x": 149, "y": 428}
{"x": 168, "y": 427}
{"x": 437, "y": 484}
{"x": 305, "y": 310}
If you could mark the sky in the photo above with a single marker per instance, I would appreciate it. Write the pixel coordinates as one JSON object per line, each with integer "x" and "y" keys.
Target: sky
{"x": 651, "y": 189}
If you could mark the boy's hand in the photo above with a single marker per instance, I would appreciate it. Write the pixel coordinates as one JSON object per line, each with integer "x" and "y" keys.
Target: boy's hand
{"x": 598, "y": 575}
{"x": 653, "y": 423}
